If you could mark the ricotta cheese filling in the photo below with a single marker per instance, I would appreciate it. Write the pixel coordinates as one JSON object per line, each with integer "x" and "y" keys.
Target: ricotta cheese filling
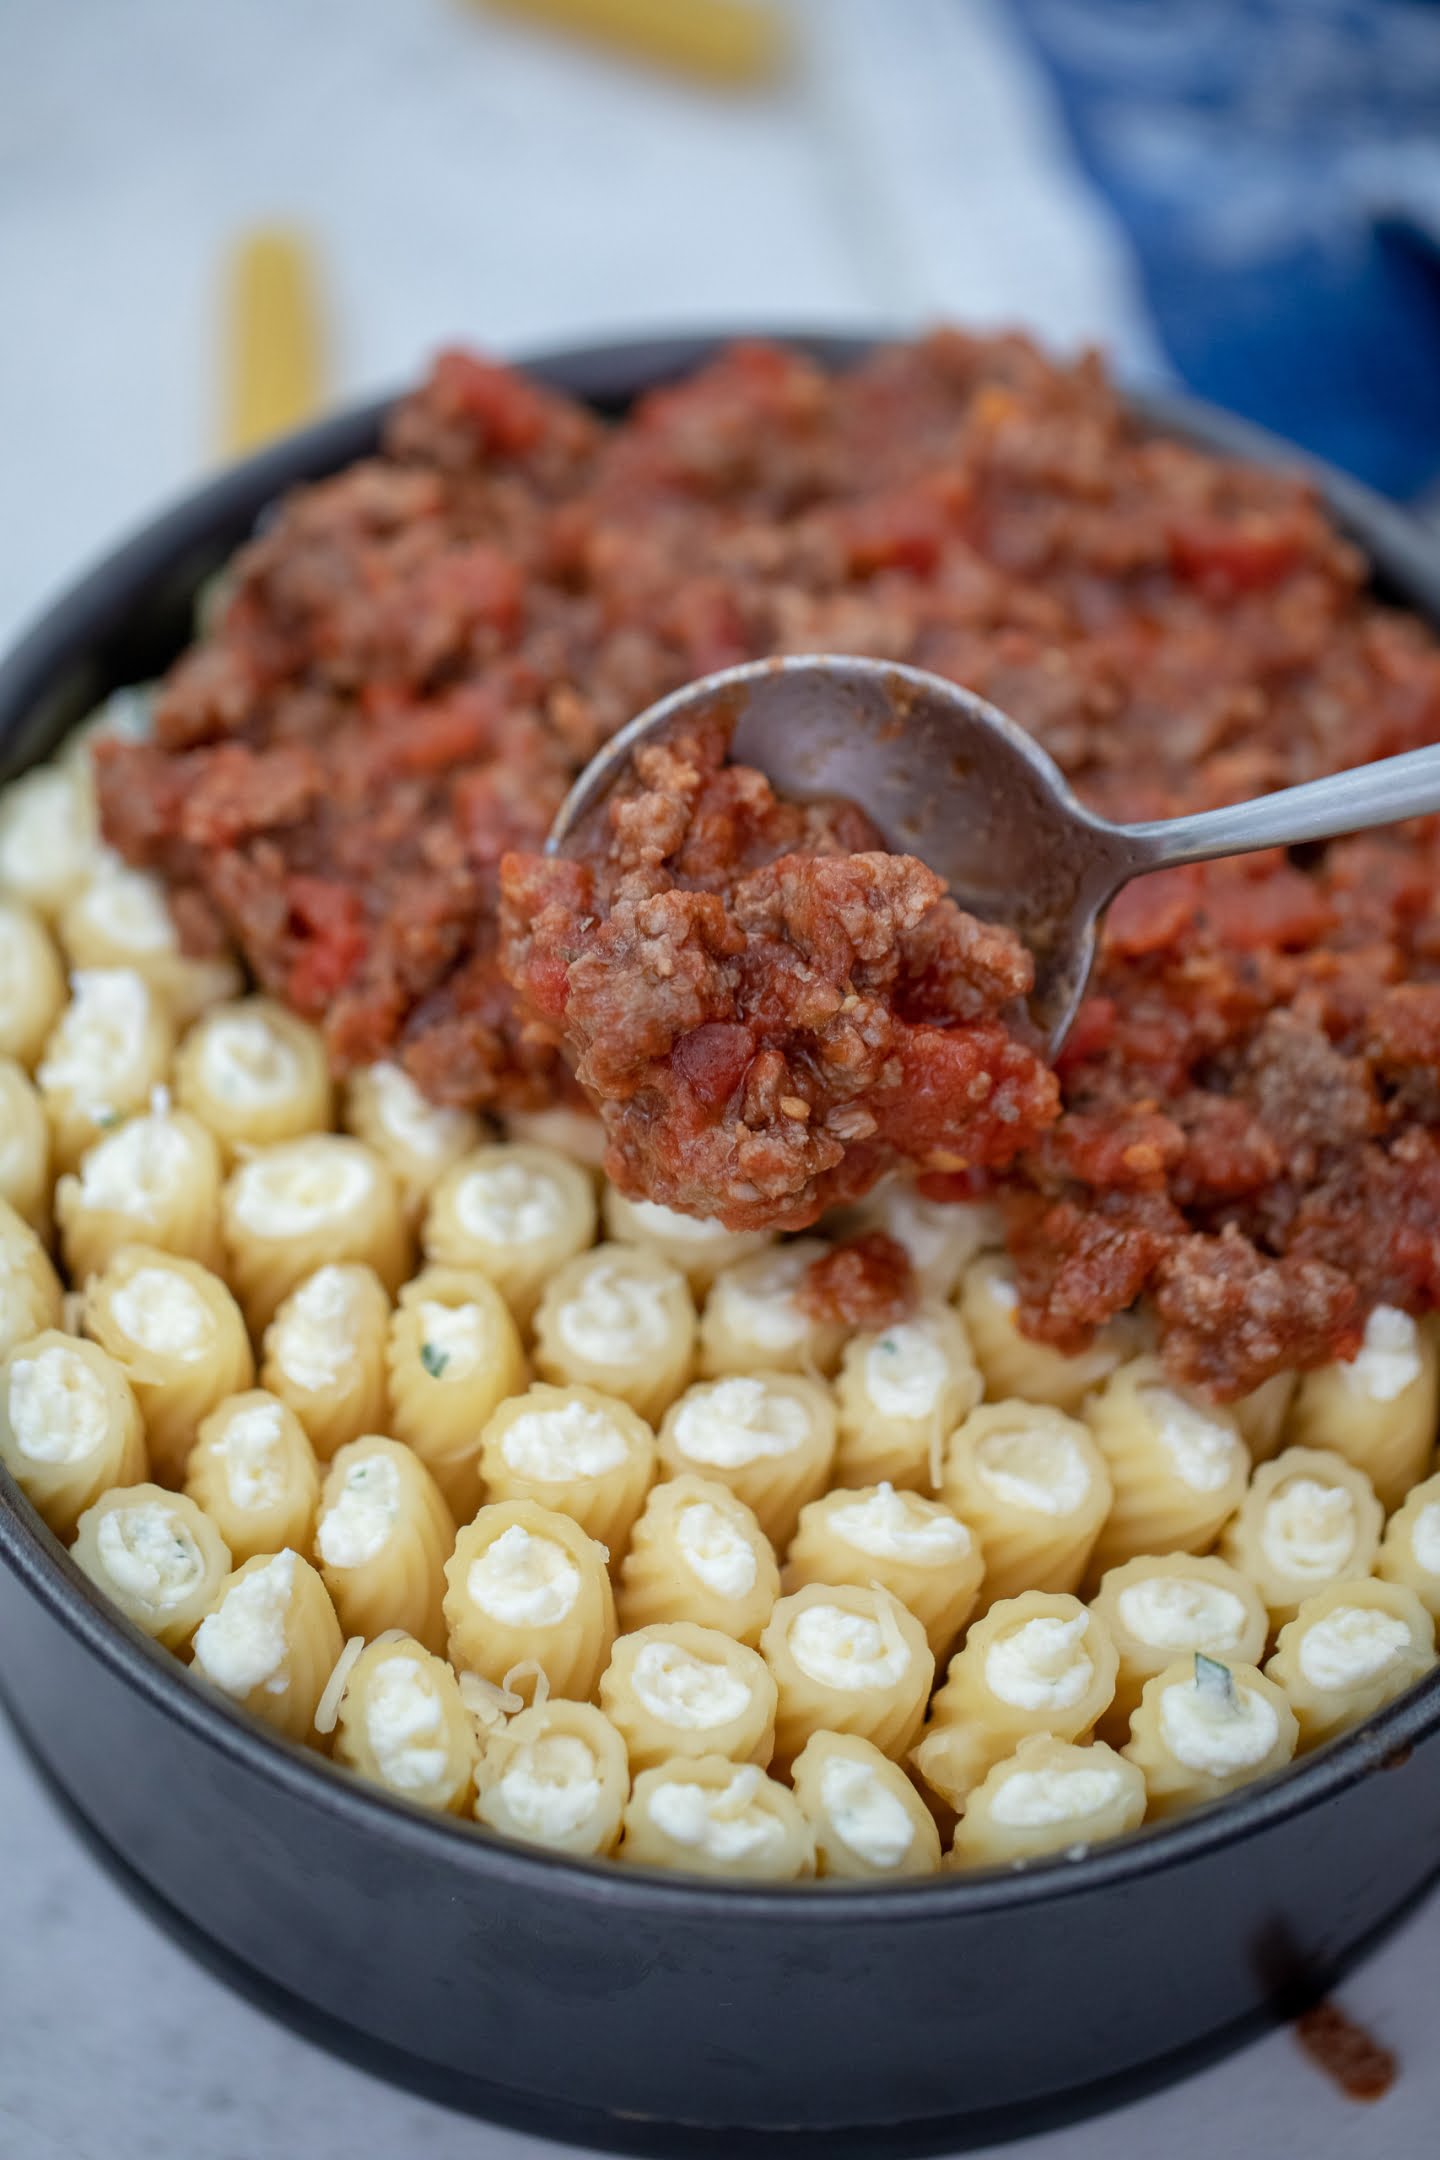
{"x": 1351, "y": 1645}
{"x": 405, "y": 1726}
{"x": 100, "y": 1038}
{"x": 1041, "y": 1471}
{"x": 1425, "y": 1538}
{"x": 717, "y": 1552}
{"x": 723, "y": 1822}
{"x": 356, "y": 1526}
{"x": 509, "y": 1203}
{"x": 1179, "y": 1613}
{"x": 693, "y": 1694}
{"x": 572, "y": 1440}
{"x": 149, "y": 1554}
{"x": 136, "y": 1170}
{"x": 1217, "y": 1729}
{"x": 1042, "y": 1664}
{"x": 523, "y": 1580}
{"x": 312, "y": 1338}
{"x": 740, "y": 1420}
{"x": 164, "y": 1314}
{"x": 1389, "y": 1357}
{"x": 551, "y": 1786}
{"x": 848, "y": 1650}
{"x": 1038, "y": 1799}
{"x": 897, "y": 1526}
{"x": 756, "y": 1300}
{"x": 615, "y": 1318}
{"x": 905, "y": 1372}
{"x": 249, "y": 1448}
{"x": 452, "y": 1339}
{"x": 424, "y": 1129}
{"x": 57, "y": 1407}
{"x": 942, "y": 1237}
{"x": 1308, "y": 1529}
{"x": 248, "y": 1063}
{"x": 242, "y": 1645}
{"x": 296, "y": 1190}
{"x": 1203, "y": 1453}
{"x": 864, "y": 1813}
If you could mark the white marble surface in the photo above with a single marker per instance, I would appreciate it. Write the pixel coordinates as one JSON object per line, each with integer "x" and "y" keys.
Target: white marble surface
{"x": 466, "y": 179}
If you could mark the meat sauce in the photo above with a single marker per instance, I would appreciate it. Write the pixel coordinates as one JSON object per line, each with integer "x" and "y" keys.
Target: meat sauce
{"x": 418, "y": 654}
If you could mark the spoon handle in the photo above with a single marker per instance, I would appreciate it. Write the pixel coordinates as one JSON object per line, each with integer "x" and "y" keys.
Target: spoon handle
{"x": 1380, "y": 794}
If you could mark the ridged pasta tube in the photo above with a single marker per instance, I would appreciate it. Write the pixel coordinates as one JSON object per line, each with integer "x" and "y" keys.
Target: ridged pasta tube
{"x": 324, "y": 1355}
{"x": 254, "y": 1472}
{"x": 24, "y": 1148}
{"x": 899, "y": 1393}
{"x": 1350, "y": 1650}
{"x": 454, "y": 1357}
{"x": 32, "y": 983}
{"x": 847, "y": 1659}
{"x": 402, "y": 1726}
{"x": 517, "y": 1213}
{"x": 1205, "y": 1726}
{"x": 291, "y": 1209}
{"x": 706, "y": 1815}
{"x": 420, "y": 1140}
{"x": 49, "y": 843}
{"x": 30, "y": 1295}
{"x": 1039, "y": 1662}
{"x": 621, "y": 1320}
{"x": 696, "y": 1245}
{"x": 753, "y": 1321}
{"x": 1034, "y": 1488}
{"x": 942, "y": 1237}
{"x": 676, "y": 1689}
{"x": 561, "y": 1129}
{"x": 697, "y": 1553}
{"x": 106, "y": 1054}
{"x": 1310, "y": 1518}
{"x": 1051, "y": 1796}
{"x": 1381, "y": 1409}
{"x": 255, "y": 1074}
{"x": 921, "y": 1553}
{"x": 1158, "y": 1608}
{"x": 527, "y": 1585}
{"x": 121, "y": 918}
{"x": 69, "y": 1426}
{"x": 868, "y": 1821}
{"x": 154, "y": 1181}
{"x": 1410, "y": 1548}
{"x": 1014, "y": 1365}
{"x": 176, "y": 1332}
{"x": 575, "y": 1450}
{"x": 271, "y": 1642}
{"x": 156, "y": 1556}
{"x": 382, "y": 1537}
{"x": 1179, "y": 1467}
{"x": 556, "y": 1775}
{"x": 769, "y": 1436}
{"x": 1261, "y": 1415}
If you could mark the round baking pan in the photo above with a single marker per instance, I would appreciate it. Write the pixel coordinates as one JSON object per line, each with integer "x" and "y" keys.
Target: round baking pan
{"x": 644, "y": 2012}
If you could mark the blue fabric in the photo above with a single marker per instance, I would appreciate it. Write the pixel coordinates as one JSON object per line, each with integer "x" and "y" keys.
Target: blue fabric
{"x": 1276, "y": 164}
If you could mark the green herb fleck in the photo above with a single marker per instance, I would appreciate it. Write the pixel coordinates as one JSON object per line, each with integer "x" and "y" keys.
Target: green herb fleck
{"x": 1214, "y": 1680}
{"x": 433, "y": 1360}
{"x": 105, "y": 1119}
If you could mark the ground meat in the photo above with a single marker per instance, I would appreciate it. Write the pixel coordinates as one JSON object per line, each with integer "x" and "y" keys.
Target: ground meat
{"x": 417, "y": 655}
{"x": 866, "y": 1282}
{"x": 765, "y": 1020}
{"x": 1351, "y": 2057}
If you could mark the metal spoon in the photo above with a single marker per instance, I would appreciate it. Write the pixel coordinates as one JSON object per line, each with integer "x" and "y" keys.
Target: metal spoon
{"x": 949, "y": 778}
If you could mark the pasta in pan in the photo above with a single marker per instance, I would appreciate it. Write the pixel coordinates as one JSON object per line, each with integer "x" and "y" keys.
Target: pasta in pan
{"x": 30, "y": 1295}
{"x": 698, "y": 1553}
{"x": 402, "y": 1724}
{"x": 941, "y": 1237}
{"x": 121, "y": 919}
{"x": 1158, "y": 1608}
{"x": 849, "y": 1660}
{"x": 255, "y": 1075}
{"x": 1179, "y": 1468}
{"x": 676, "y": 1689}
{"x": 1050, "y": 1796}
{"x": 753, "y": 1322}
{"x": 769, "y": 1436}
{"x": 324, "y": 1355}
{"x": 921, "y": 1553}
{"x": 49, "y": 845}
{"x": 1205, "y": 1726}
{"x": 254, "y": 1473}
{"x": 317, "y": 1200}
{"x": 271, "y": 1641}
{"x": 24, "y": 1147}
{"x": 453, "y": 1358}
{"x": 1351, "y": 1649}
{"x": 525, "y": 1586}
{"x": 515, "y": 1213}
{"x": 620, "y": 1319}
{"x": 575, "y": 1450}
{"x": 32, "y": 983}
{"x": 868, "y": 1821}
{"x": 155, "y": 1556}
{"x": 382, "y": 1538}
{"x": 1410, "y": 1549}
{"x": 1380, "y": 1410}
{"x": 106, "y": 1054}
{"x": 899, "y": 1393}
{"x": 1310, "y": 1518}
{"x": 698, "y": 1248}
{"x": 1035, "y": 1490}
{"x": 556, "y": 1776}
{"x": 709, "y": 1816}
{"x": 69, "y": 1426}
{"x": 176, "y": 1333}
{"x": 419, "y": 1140}
{"x": 155, "y": 1181}
{"x": 1013, "y": 1364}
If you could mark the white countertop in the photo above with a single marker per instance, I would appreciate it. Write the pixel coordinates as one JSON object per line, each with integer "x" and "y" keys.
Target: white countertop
{"x": 466, "y": 179}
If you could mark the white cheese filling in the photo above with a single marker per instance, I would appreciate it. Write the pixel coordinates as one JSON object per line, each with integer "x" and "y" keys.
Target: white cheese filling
{"x": 1389, "y": 1359}
{"x": 848, "y": 1650}
{"x": 669, "y": 1225}
{"x": 248, "y": 1063}
{"x": 523, "y": 1580}
{"x": 424, "y": 1129}
{"x": 1425, "y": 1538}
{"x": 452, "y": 1339}
{"x": 100, "y": 1039}
{"x": 740, "y": 1420}
{"x": 313, "y": 1337}
{"x": 302, "y": 1188}
{"x": 137, "y": 1170}
{"x": 573, "y": 1440}
{"x": 615, "y": 1318}
{"x": 1214, "y": 1731}
{"x": 551, "y": 1787}
{"x": 756, "y": 1301}
{"x": 942, "y": 1237}
{"x": 57, "y": 1407}
{"x": 509, "y": 1203}
{"x": 1308, "y": 1530}
{"x": 405, "y": 1726}
{"x": 1042, "y": 1664}
{"x": 1204, "y": 1454}
{"x": 1351, "y": 1645}
{"x": 164, "y": 1314}
{"x": 356, "y": 1527}
{"x": 249, "y": 1448}
{"x": 244, "y": 1644}
{"x": 693, "y": 1694}
{"x": 905, "y": 1372}
{"x": 716, "y": 1551}
{"x": 721, "y": 1821}
{"x": 1038, "y": 1799}
{"x": 864, "y": 1813}
{"x": 896, "y": 1526}
{"x": 1041, "y": 1471}
{"x": 150, "y": 1555}
{"x": 1179, "y": 1613}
